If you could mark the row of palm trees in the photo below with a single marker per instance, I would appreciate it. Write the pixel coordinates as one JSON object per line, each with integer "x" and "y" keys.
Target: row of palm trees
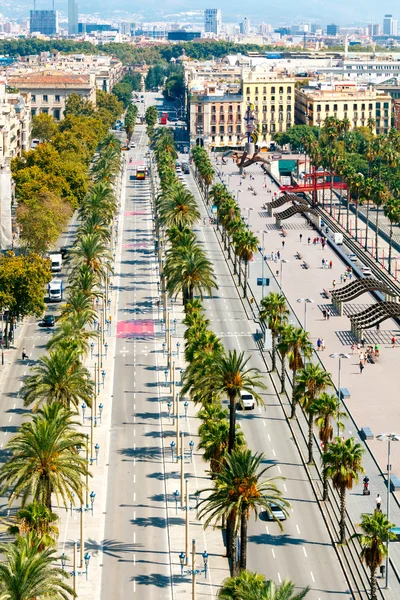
{"x": 204, "y": 169}
{"x": 46, "y": 457}
{"x": 341, "y": 459}
{"x": 368, "y": 164}
{"x": 130, "y": 120}
{"x": 235, "y": 234}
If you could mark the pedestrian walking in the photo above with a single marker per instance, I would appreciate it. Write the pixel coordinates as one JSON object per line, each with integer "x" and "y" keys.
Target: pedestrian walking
{"x": 327, "y": 315}
{"x": 278, "y": 254}
{"x": 393, "y": 342}
{"x": 240, "y": 182}
{"x": 319, "y": 344}
{"x": 353, "y": 347}
{"x": 358, "y": 347}
{"x": 330, "y": 264}
{"x": 334, "y": 283}
{"x": 323, "y": 263}
{"x": 323, "y": 345}
{"x": 324, "y": 313}
{"x": 309, "y": 241}
{"x": 378, "y": 502}
{"x": 283, "y": 243}
{"x": 362, "y": 358}
{"x": 361, "y": 365}
{"x": 301, "y": 237}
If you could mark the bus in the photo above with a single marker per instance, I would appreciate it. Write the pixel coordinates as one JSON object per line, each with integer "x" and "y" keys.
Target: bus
{"x": 140, "y": 170}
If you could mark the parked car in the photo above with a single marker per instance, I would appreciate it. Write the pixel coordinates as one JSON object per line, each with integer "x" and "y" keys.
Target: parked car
{"x": 277, "y": 513}
{"x": 247, "y": 401}
{"x": 47, "y": 321}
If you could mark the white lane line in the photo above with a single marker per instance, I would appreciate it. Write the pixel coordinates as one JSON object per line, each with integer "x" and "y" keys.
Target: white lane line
{"x": 134, "y": 384}
{"x": 264, "y": 424}
{"x": 279, "y": 578}
{"x": 273, "y": 553}
{"x": 298, "y": 529}
{"x": 284, "y": 487}
{"x": 14, "y": 406}
{"x": 134, "y": 515}
{"x": 9, "y": 420}
{"x": 266, "y": 527}
{"x": 273, "y": 452}
{"x": 134, "y": 586}
{"x": 305, "y": 553}
{"x": 312, "y": 576}
{"x": 269, "y": 439}
{"x": 279, "y": 469}
{"x": 134, "y": 479}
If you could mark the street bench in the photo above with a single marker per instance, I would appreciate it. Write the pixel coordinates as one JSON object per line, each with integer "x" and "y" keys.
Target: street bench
{"x": 344, "y": 394}
{"x": 326, "y": 293}
{"x": 299, "y": 256}
{"x": 366, "y": 433}
{"x": 395, "y": 482}
{"x": 306, "y": 265}
{"x": 284, "y": 232}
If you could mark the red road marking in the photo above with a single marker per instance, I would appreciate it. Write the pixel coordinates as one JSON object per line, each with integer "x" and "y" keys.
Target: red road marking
{"x": 135, "y": 328}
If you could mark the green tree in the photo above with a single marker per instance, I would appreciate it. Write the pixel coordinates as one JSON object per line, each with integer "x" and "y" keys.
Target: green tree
{"x": 253, "y": 586}
{"x": 44, "y": 127}
{"x": 214, "y": 440}
{"x": 28, "y": 572}
{"x": 188, "y": 271}
{"x": 78, "y": 106}
{"x": 274, "y": 312}
{"x": 310, "y": 382}
{"x": 299, "y": 346}
{"x": 37, "y": 519}
{"x": 376, "y": 531}
{"x": 44, "y": 459}
{"x": 342, "y": 462}
{"x": 239, "y": 490}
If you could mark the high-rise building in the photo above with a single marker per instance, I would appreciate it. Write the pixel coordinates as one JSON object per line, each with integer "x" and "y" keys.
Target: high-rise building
{"x": 212, "y": 20}
{"x": 374, "y": 29}
{"x": 44, "y": 21}
{"x": 332, "y": 29}
{"x": 245, "y": 26}
{"x": 72, "y": 17}
{"x": 389, "y": 25}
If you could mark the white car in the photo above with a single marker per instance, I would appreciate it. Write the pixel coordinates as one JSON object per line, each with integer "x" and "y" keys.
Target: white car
{"x": 133, "y": 145}
{"x": 366, "y": 271}
{"x": 277, "y": 512}
{"x": 246, "y": 401}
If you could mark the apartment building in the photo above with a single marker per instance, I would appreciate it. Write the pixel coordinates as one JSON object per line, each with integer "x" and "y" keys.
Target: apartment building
{"x": 344, "y": 101}
{"x": 49, "y": 90}
{"x": 273, "y": 98}
{"x": 216, "y": 116}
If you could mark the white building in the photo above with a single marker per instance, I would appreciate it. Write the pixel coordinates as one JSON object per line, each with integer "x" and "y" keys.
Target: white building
{"x": 245, "y": 26}
{"x": 212, "y": 20}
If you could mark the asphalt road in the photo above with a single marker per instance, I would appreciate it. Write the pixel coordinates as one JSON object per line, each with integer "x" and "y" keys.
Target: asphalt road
{"x": 136, "y": 552}
{"x": 303, "y": 552}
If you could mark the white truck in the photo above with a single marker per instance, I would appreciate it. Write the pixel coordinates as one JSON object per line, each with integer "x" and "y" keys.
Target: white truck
{"x": 55, "y": 290}
{"x": 56, "y": 262}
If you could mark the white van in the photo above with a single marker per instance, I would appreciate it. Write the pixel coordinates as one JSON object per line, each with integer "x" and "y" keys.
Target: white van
{"x": 55, "y": 290}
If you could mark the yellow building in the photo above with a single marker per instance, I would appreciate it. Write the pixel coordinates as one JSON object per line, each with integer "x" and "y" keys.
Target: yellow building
{"x": 273, "y": 98}
{"x": 361, "y": 107}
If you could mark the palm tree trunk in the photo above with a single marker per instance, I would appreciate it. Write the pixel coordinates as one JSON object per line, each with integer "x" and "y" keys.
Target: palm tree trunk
{"x": 376, "y": 232}
{"x": 390, "y": 246}
{"x": 240, "y": 272}
{"x": 243, "y": 541}
{"x": 331, "y": 199}
{"x": 367, "y": 227}
{"x": 374, "y": 594}
{"x": 283, "y": 373}
{"x": 356, "y": 231}
{"x": 348, "y": 210}
{"x": 232, "y": 423}
{"x": 273, "y": 350}
{"x": 343, "y": 515}
{"x": 310, "y": 439}
{"x": 294, "y": 402}
{"x": 231, "y": 540}
{"x": 325, "y": 489}
{"x": 246, "y": 266}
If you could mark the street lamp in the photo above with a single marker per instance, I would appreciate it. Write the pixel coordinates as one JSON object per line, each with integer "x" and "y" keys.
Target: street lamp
{"x": 193, "y": 571}
{"x": 263, "y": 260}
{"x": 100, "y": 410}
{"x": 388, "y": 437}
{"x": 305, "y": 301}
{"x": 338, "y": 356}
{"x": 283, "y": 260}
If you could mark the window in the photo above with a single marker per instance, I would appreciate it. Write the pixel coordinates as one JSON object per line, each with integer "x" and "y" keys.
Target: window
{"x": 213, "y": 109}
{"x": 248, "y": 90}
{"x": 289, "y": 90}
{"x": 230, "y": 108}
{"x": 56, "y": 114}
{"x": 33, "y": 97}
{"x": 221, "y": 109}
{"x": 57, "y": 98}
{"x": 213, "y": 129}
{"x": 288, "y": 108}
{"x": 264, "y": 108}
{"x": 272, "y": 98}
{"x": 355, "y": 106}
{"x": 272, "y": 109}
{"x": 272, "y": 90}
{"x": 386, "y": 105}
{"x": 238, "y": 108}
{"x": 265, "y": 128}
{"x": 213, "y": 138}
{"x": 45, "y": 111}
{"x": 199, "y": 108}
{"x": 230, "y": 138}
{"x": 378, "y": 105}
{"x": 264, "y": 98}
{"x": 33, "y": 112}
{"x": 318, "y": 108}
{"x": 221, "y": 129}
{"x": 221, "y": 138}
{"x": 335, "y": 107}
{"x": 256, "y": 98}
{"x": 221, "y": 118}
{"x": 264, "y": 90}
{"x": 256, "y": 90}
{"x": 345, "y": 107}
{"x": 272, "y": 128}
{"x": 326, "y": 107}
{"x": 281, "y": 90}
{"x": 369, "y": 106}
{"x": 238, "y": 129}
{"x": 362, "y": 106}
{"x": 45, "y": 98}
{"x": 230, "y": 128}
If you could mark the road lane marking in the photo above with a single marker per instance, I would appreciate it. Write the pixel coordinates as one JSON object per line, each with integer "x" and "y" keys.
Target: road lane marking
{"x": 284, "y": 487}
{"x": 312, "y": 576}
{"x": 298, "y": 529}
{"x": 279, "y": 469}
{"x": 305, "y": 553}
{"x": 279, "y": 578}
{"x": 134, "y": 479}
{"x": 9, "y": 420}
{"x": 266, "y": 527}
{"x": 273, "y": 553}
{"x": 269, "y": 439}
{"x": 264, "y": 424}
{"x": 273, "y": 452}
{"x": 134, "y": 515}
{"x": 14, "y": 406}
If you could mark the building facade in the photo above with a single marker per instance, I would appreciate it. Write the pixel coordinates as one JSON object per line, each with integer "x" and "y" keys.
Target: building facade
{"x": 389, "y": 25}
{"x": 273, "y": 98}
{"x": 212, "y": 20}
{"x": 332, "y": 29}
{"x": 72, "y": 17}
{"x": 49, "y": 90}
{"x": 361, "y": 107}
{"x": 43, "y": 21}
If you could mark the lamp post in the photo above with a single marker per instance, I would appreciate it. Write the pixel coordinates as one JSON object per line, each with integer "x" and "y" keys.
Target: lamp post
{"x": 339, "y": 356}
{"x": 283, "y": 260}
{"x": 305, "y": 301}
{"x": 193, "y": 571}
{"x": 74, "y": 573}
{"x": 388, "y": 437}
{"x": 262, "y": 260}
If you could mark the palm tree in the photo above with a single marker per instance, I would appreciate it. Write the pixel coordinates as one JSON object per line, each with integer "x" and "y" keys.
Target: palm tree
{"x": 189, "y": 271}
{"x": 28, "y": 572}
{"x": 58, "y": 377}
{"x": 376, "y": 532}
{"x": 91, "y": 251}
{"x": 326, "y": 407}
{"x": 283, "y": 346}
{"x": 274, "y": 311}
{"x": 310, "y": 382}
{"x": 45, "y": 459}
{"x": 240, "y": 490}
{"x": 230, "y": 377}
{"x": 392, "y": 212}
{"x": 177, "y": 208}
{"x": 253, "y": 586}
{"x": 37, "y": 518}
{"x": 214, "y": 440}
{"x": 381, "y": 196}
{"x": 247, "y": 245}
{"x": 342, "y": 463}
{"x": 299, "y": 346}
